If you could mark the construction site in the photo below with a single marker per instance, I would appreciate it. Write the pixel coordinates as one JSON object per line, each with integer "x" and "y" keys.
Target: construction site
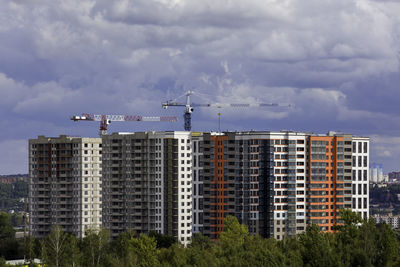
{"x": 179, "y": 183}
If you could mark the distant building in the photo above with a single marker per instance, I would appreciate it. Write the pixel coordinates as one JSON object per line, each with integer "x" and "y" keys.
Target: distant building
{"x": 10, "y": 179}
{"x": 376, "y": 172}
{"x": 393, "y": 221}
{"x": 394, "y": 176}
{"x": 64, "y": 184}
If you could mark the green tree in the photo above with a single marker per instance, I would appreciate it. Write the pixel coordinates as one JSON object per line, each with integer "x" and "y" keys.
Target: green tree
{"x": 95, "y": 247}
{"x": 388, "y": 247}
{"x": 9, "y": 247}
{"x": 29, "y": 248}
{"x": 145, "y": 250}
{"x": 163, "y": 241}
{"x": 201, "y": 252}
{"x": 200, "y": 241}
{"x": 232, "y": 238}
{"x": 262, "y": 252}
{"x": 318, "y": 248}
{"x": 73, "y": 251}
{"x": 55, "y": 247}
{"x": 291, "y": 250}
{"x": 121, "y": 250}
{"x": 6, "y": 229}
{"x": 175, "y": 255}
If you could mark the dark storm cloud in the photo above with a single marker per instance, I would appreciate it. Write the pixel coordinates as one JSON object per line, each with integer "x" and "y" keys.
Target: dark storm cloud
{"x": 336, "y": 62}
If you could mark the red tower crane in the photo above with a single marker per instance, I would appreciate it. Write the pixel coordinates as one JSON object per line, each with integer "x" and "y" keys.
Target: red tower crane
{"x": 105, "y": 120}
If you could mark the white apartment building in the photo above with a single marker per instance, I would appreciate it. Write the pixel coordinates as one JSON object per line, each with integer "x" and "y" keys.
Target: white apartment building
{"x": 289, "y": 167}
{"x": 360, "y": 183}
{"x": 65, "y": 184}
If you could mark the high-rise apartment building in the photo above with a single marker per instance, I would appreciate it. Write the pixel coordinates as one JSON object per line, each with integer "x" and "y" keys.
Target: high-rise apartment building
{"x": 376, "y": 173}
{"x": 259, "y": 177}
{"x": 65, "y": 184}
{"x": 147, "y": 181}
{"x": 360, "y": 191}
{"x": 176, "y": 183}
{"x": 276, "y": 183}
{"x": 198, "y": 185}
{"x": 326, "y": 180}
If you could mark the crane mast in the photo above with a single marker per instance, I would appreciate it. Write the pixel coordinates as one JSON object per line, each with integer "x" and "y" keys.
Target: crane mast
{"x": 105, "y": 120}
{"x": 187, "y": 115}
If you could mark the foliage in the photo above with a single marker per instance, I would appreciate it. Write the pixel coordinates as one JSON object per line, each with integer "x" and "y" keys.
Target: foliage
{"x": 95, "y": 247}
{"x": 55, "y": 248}
{"x": 163, "y": 241}
{"x": 355, "y": 243}
{"x": 145, "y": 250}
{"x": 384, "y": 197}
{"x": 9, "y": 247}
{"x": 10, "y": 195}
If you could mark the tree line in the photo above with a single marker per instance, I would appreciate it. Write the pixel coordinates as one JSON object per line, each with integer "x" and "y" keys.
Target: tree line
{"x": 10, "y": 195}
{"x": 356, "y": 243}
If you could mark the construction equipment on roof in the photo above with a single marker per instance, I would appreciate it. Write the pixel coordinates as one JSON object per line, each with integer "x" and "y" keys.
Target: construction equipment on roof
{"x": 189, "y": 107}
{"x": 105, "y": 120}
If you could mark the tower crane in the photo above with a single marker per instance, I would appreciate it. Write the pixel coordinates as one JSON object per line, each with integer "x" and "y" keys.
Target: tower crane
{"x": 105, "y": 120}
{"x": 189, "y": 107}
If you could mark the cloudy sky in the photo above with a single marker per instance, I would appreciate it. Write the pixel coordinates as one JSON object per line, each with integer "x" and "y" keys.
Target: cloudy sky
{"x": 335, "y": 61}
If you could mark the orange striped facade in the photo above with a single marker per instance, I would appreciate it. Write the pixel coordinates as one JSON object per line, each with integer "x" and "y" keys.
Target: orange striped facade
{"x": 326, "y": 193}
{"x": 217, "y": 212}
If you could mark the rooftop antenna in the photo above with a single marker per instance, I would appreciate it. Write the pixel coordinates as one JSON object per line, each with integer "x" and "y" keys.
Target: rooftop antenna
{"x": 219, "y": 121}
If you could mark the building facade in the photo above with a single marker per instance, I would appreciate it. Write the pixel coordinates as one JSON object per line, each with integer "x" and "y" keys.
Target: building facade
{"x": 277, "y": 183}
{"x": 179, "y": 183}
{"x": 393, "y": 221}
{"x": 147, "y": 181}
{"x": 360, "y": 192}
{"x": 64, "y": 184}
{"x": 258, "y": 177}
